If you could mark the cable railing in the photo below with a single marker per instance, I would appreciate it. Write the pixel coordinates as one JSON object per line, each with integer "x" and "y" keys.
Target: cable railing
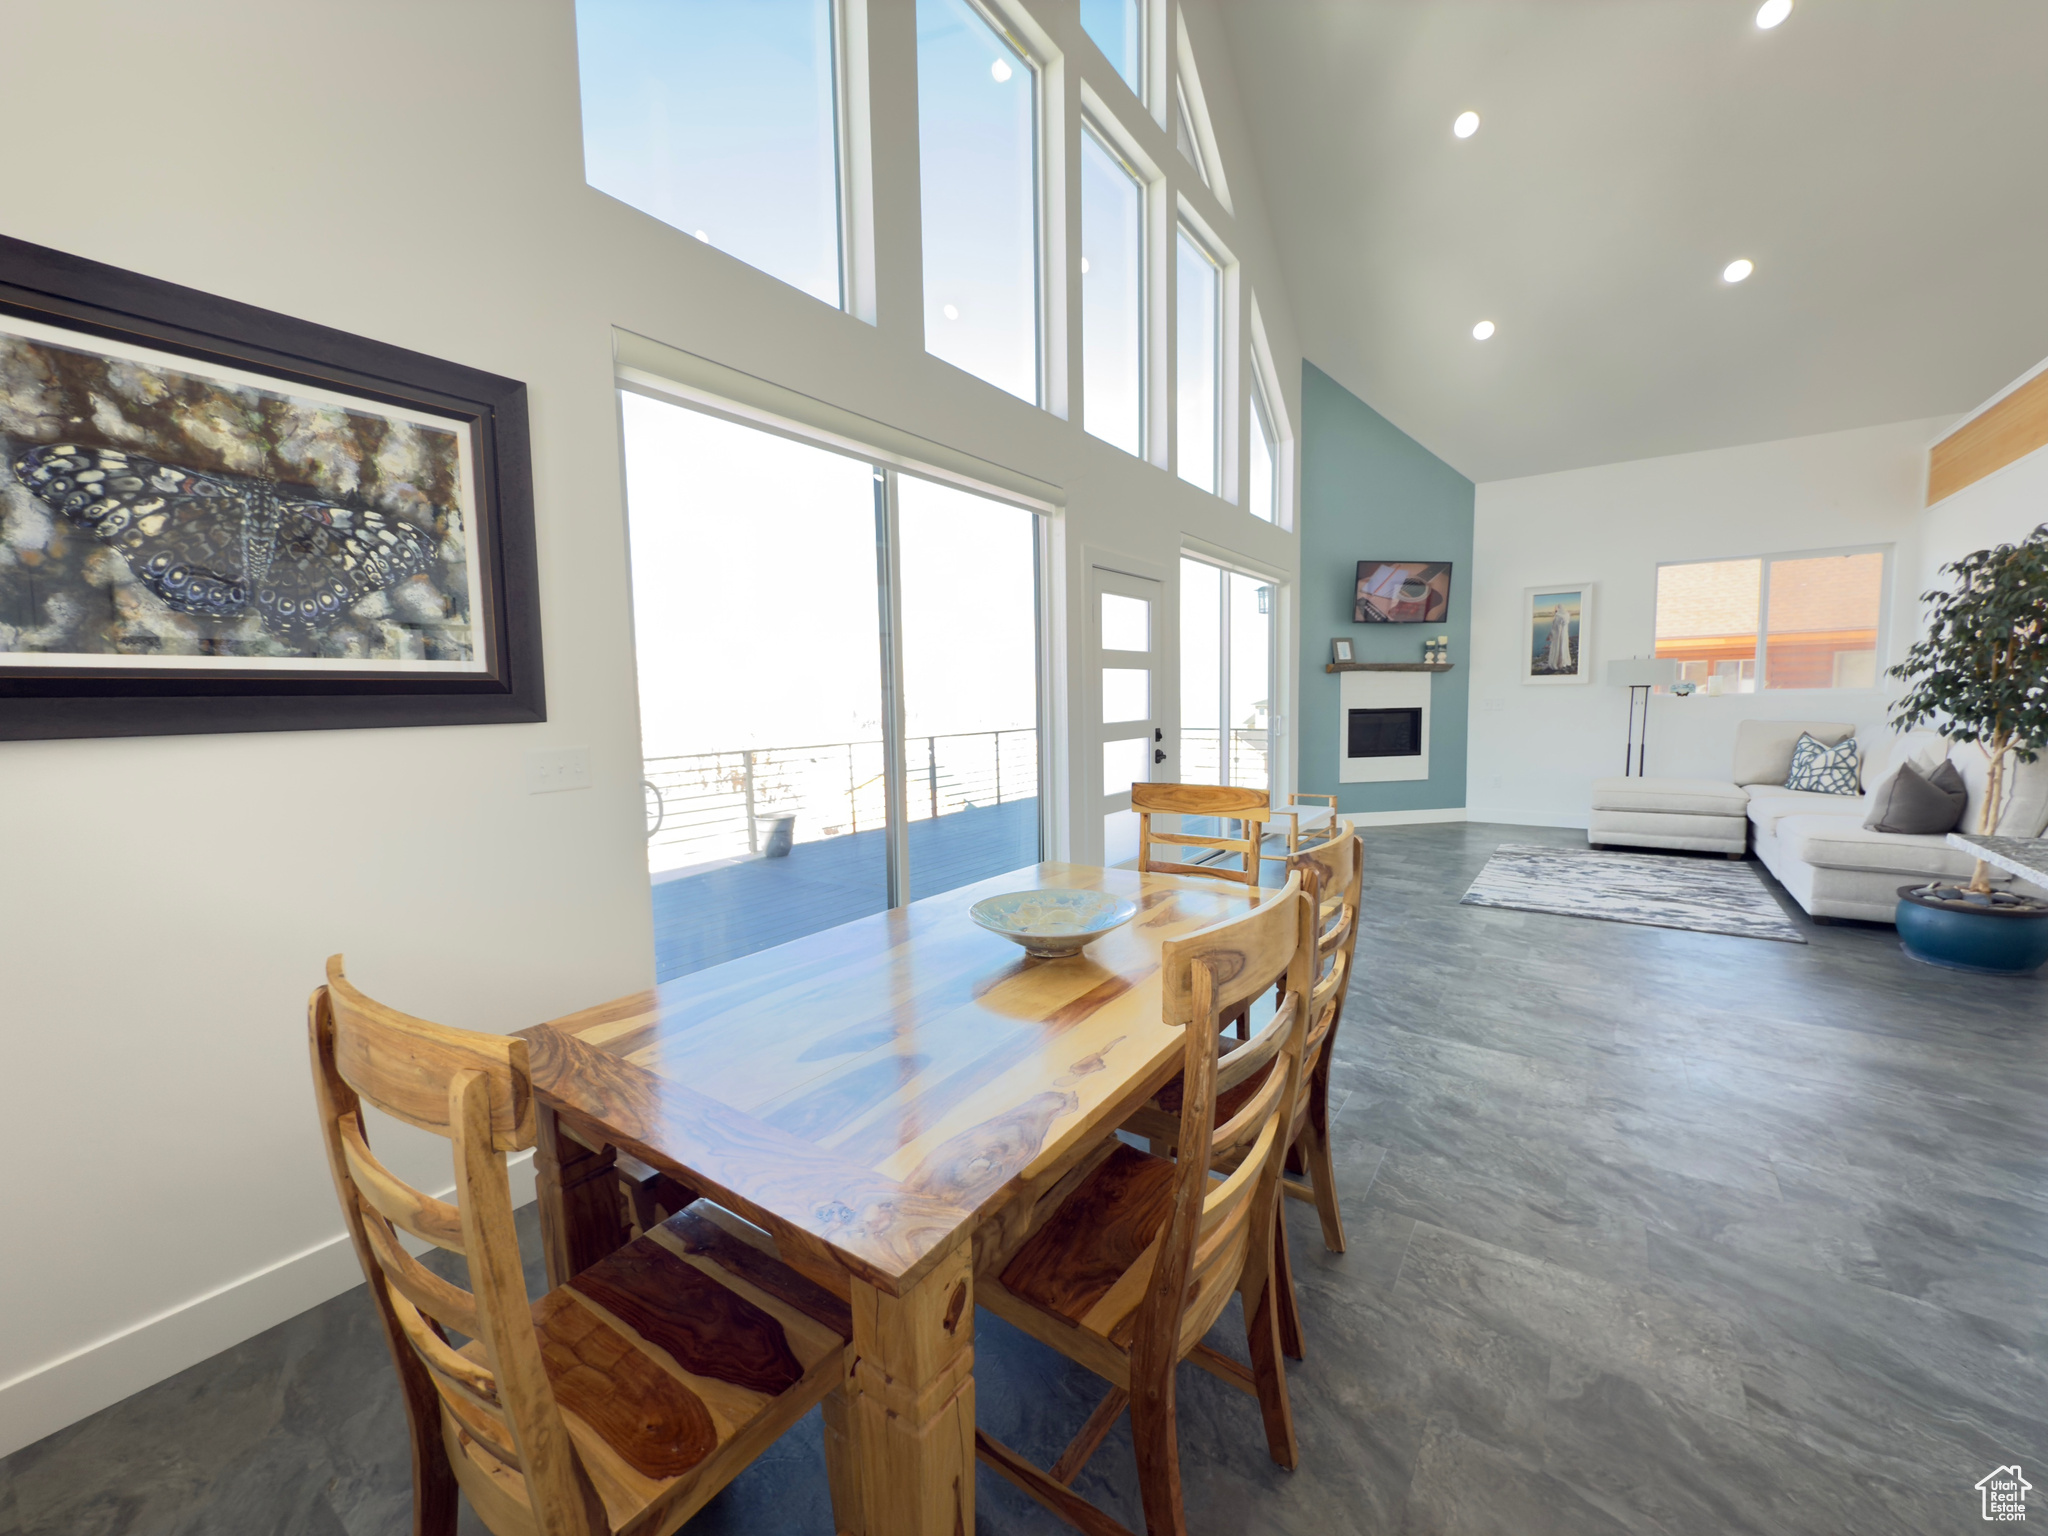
{"x": 1250, "y": 753}
{"x": 708, "y": 806}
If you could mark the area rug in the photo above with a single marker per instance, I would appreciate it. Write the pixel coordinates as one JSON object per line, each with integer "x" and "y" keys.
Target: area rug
{"x": 1658, "y": 890}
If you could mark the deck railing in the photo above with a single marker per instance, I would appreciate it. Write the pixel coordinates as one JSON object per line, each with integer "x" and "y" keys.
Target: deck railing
{"x": 1249, "y": 752}
{"x": 718, "y": 805}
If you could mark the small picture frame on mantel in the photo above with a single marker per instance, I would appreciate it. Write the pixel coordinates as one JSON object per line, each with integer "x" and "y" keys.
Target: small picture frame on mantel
{"x": 1340, "y": 650}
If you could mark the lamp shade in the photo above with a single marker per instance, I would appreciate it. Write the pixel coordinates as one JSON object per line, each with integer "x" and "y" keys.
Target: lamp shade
{"x": 1643, "y": 672}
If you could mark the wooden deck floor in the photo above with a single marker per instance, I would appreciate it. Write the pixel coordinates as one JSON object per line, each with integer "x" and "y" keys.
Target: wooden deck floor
{"x": 706, "y": 919}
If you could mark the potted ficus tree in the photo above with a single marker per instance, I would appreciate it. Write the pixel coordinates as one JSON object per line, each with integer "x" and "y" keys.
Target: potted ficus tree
{"x": 1981, "y": 677}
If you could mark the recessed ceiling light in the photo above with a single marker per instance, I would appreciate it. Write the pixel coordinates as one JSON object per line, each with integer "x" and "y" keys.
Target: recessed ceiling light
{"x": 1771, "y": 12}
{"x": 1466, "y": 124}
{"x": 1482, "y": 330}
{"x": 1737, "y": 270}
{"x": 1084, "y": 264}
{"x": 702, "y": 236}
{"x": 951, "y": 313}
{"x": 1001, "y": 68}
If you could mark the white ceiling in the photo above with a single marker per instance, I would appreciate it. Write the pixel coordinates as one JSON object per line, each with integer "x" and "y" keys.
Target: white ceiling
{"x": 1884, "y": 163}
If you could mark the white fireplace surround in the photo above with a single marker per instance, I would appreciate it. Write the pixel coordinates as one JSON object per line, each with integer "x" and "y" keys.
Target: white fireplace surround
{"x": 1381, "y": 690}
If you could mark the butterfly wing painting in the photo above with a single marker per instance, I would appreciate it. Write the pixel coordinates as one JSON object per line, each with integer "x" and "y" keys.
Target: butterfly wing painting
{"x": 216, "y": 518}
{"x": 212, "y": 545}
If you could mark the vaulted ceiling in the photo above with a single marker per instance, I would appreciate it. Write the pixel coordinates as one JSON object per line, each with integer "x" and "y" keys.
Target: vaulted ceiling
{"x": 1883, "y": 162}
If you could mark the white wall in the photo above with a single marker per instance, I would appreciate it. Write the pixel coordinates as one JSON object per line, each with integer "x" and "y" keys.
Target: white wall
{"x": 412, "y": 173}
{"x": 1535, "y": 750}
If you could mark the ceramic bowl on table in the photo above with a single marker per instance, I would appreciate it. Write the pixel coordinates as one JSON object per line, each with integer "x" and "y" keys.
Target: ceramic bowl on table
{"x": 1053, "y": 924}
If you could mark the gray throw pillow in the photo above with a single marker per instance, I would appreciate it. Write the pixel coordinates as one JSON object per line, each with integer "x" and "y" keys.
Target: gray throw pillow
{"x": 1915, "y": 802}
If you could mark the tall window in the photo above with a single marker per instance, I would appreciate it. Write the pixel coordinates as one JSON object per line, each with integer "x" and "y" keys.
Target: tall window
{"x": 1117, "y": 26}
{"x": 1796, "y": 621}
{"x": 1198, "y": 374}
{"x": 977, "y": 106}
{"x": 1112, "y": 296}
{"x": 1264, "y": 498}
{"x": 790, "y": 785}
{"x": 1226, "y": 676}
{"x": 720, "y": 120}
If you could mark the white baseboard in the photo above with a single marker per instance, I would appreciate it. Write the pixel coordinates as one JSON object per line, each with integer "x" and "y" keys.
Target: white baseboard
{"x": 1515, "y": 818}
{"x": 60, "y": 1392}
{"x": 1403, "y": 818}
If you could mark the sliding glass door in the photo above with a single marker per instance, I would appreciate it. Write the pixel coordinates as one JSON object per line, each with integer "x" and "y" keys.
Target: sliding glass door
{"x": 838, "y": 671}
{"x": 968, "y": 578}
{"x": 1226, "y": 676}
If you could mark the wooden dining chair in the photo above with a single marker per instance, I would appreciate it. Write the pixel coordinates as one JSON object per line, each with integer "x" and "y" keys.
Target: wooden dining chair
{"x": 1320, "y": 830}
{"x": 1138, "y": 1255}
{"x": 1332, "y": 875}
{"x": 1250, "y": 808}
{"x": 618, "y": 1402}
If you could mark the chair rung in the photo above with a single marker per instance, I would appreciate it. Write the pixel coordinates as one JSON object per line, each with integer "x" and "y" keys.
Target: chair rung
{"x": 1057, "y": 1497}
{"x": 1223, "y": 1368}
{"x": 1298, "y": 1191}
{"x": 1091, "y": 1436}
{"x": 1189, "y": 840}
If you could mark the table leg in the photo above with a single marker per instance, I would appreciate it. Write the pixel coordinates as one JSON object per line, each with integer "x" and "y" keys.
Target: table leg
{"x": 577, "y": 1189}
{"x": 912, "y": 1412}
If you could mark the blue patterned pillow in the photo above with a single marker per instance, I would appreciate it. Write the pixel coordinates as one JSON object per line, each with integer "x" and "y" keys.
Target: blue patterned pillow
{"x": 1823, "y": 770}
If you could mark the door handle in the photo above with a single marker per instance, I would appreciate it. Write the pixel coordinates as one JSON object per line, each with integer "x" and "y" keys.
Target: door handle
{"x": 1158, "y": 734}
{"x": 1158, "y": 756}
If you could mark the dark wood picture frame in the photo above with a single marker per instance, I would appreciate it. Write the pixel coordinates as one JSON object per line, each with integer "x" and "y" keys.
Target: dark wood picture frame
{"x": 40, "y": 284}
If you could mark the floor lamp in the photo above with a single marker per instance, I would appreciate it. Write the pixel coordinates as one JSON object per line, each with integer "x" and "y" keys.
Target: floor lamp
{"x": 1639, "y": 675}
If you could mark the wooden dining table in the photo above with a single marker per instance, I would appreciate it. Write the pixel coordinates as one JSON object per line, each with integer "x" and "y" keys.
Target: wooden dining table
{"x": 889, "y": 1100}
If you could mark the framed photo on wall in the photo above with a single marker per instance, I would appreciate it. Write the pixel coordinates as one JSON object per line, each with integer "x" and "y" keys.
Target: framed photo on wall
{"x": 218, "y": 518}
{"x": 1557, "y": 632}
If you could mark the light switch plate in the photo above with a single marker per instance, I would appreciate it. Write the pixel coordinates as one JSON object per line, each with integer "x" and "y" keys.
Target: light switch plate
{"x": 568, "y": 768}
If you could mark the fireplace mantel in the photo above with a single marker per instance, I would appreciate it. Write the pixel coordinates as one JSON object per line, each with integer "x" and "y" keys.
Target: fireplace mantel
{"x": 1387, "y": 666}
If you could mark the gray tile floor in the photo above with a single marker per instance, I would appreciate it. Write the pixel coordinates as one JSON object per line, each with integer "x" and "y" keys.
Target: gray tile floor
{"x": 1651, "y": 1232}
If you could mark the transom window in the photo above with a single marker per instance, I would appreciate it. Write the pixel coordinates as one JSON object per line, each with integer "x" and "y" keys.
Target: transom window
{"x": 1118, "y": 29}
{"x": 977, "y": 115}
{"x": 1774, "y": 621}
{"x": 1198, "y": 374}
{"x": 1112, "y": 296}
{"x": 1263, "y": 499}
{"x": 720, "y": 120}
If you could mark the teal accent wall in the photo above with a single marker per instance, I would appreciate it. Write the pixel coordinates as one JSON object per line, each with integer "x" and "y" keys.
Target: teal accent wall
{"x": 1369, "y": 491}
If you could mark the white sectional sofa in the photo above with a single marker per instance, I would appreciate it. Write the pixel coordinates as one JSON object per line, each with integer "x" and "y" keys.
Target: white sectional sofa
{"x": 1816, "y": 845}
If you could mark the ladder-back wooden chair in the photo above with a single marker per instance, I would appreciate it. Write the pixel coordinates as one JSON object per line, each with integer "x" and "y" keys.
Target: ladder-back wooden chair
{"x": 1321, "y": 829}
{"x": 1139, "y": 1254}
{"x": 1250, "y": 808}
{"x": 1332, "y": 875}
{"x": 619, "y": 1402}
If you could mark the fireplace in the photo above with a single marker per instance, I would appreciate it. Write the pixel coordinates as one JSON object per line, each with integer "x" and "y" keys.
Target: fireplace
{"x": 1384, "y": 733}
{"x": 1382, "y": 727}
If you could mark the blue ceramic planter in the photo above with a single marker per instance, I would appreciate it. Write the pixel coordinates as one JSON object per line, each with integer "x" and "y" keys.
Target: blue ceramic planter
{"x": 2001, "y": 941}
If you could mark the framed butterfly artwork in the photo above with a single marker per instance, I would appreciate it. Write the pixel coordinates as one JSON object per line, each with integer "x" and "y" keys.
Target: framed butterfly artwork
{"x": 218, "y": 518}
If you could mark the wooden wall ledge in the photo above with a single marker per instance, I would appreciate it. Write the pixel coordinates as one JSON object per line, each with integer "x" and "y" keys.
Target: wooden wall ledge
{"x": 2006, "y": 430}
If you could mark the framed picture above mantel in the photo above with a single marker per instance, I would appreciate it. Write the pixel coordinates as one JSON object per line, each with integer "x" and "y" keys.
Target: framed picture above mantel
{"x": 217, "y": 518}
{"x": 1557, "y": 632}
